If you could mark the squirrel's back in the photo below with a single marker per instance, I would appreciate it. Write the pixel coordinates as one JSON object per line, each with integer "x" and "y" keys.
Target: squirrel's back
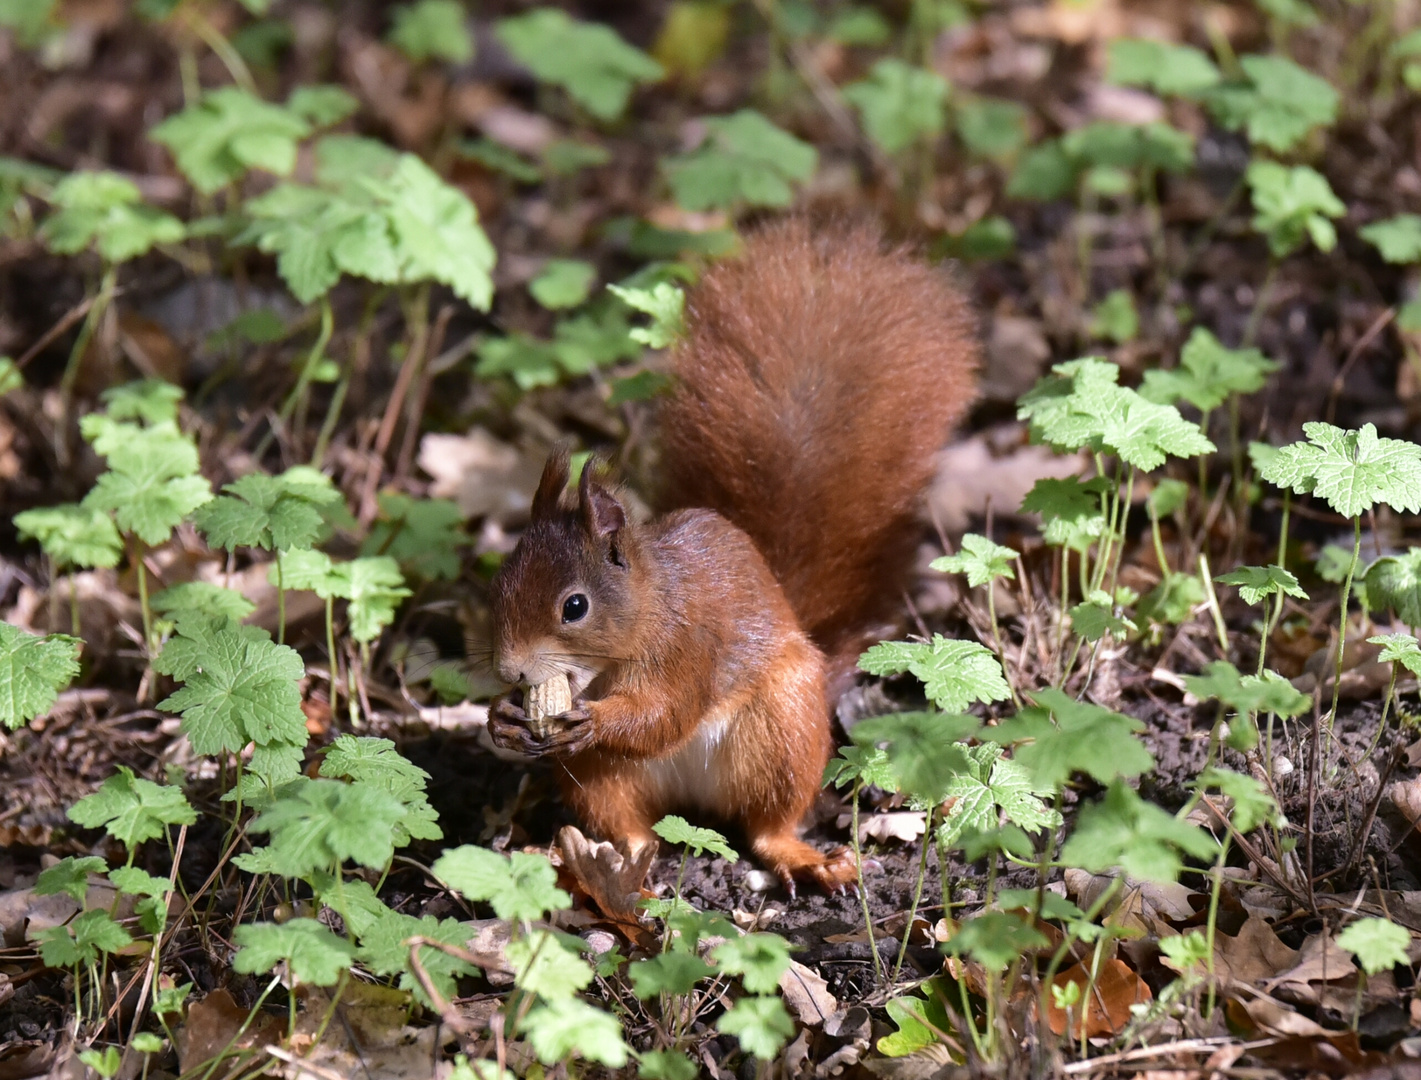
{"x": 820, "y": 373}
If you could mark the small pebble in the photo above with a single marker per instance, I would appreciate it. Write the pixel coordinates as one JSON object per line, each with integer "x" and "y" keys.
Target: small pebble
{"x": 759, "y": 880}
{"x": 1282, "y": 767}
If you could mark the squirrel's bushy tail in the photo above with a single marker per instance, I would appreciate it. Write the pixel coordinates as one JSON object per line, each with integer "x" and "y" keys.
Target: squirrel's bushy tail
{"x": 820, "y": 373}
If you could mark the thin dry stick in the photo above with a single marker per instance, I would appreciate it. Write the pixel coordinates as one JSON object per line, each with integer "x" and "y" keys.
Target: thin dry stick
{"x": 413, "y": 361}
{"x": 70, "y": 317}
{"x": 417, "y": 403}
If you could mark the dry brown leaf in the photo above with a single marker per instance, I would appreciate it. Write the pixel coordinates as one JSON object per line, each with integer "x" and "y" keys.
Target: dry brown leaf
{"x": 1151, "y": 907}
{"x": 1103, "y": 1009}
{"x": 212, "y": 1026}
{"x": 1268, "y": 1016}
{"x": 806, "y": 994}
{"x": 970, "y": 476}
{"x": 1255, "y": 953}
{"x": 608, "y": 873}
{"x": 1405, "y": 795}
{"x": 1319, "y": 960}
{"x": 904, "y": 825}
{"x": 486, "y": 477}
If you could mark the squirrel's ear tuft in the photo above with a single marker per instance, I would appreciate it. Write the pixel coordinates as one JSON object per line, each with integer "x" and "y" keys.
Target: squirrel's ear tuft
{"x": 602, "y": 514}
{"x": 552, "y": 485}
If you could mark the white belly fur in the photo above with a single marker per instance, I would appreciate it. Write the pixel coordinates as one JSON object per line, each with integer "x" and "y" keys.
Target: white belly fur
{"x": 691, "y": 774}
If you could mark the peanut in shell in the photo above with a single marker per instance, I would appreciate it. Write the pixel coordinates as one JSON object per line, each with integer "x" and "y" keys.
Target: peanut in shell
{"x": 545, "y": 701}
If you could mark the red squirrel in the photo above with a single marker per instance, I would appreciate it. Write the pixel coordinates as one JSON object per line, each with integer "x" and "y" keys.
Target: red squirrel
{"x": 819, "y": 374}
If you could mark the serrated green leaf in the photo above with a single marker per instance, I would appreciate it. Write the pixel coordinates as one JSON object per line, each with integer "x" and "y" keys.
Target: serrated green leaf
{"x": 900, "y": 104}
{"x": 759, "y": 959}
{"x": 423, "y": 535}
{"x": 546, "y": 966}
{"x": 563, "y": 283}
{"x": 1291, "y": 205}
{"x": 1161, "y": 66}
{"x": 1115, "y": 318}
{"x": 1394, "y": 581}
{"x": 1397, "y": 238}
{"x": 760, "y": 1023}
{"x": 150, "y": 400}
{"x": 72, "y": 535}
{"x": 864, "y": 763}
{"x": 992, "y": 127}
{"x": 151, "y": 485}
{"x": 376, "y": 761}
{"x": 677, "y": 830}
{"x": 954, "y": 673}
{"x": 1378, "y": 944}
{"x": 588, "y": 60}
{"x": 570, "y": 1027}
{"x": 374, "y": 588}
{"x": 432, "y": 29}
{"x": 924, "y": 750}
{"x": 993, "y": 786}
{"x": 1256, "y": 582}
{"x": 1399, "y": 649}
{"x": 227, "y": 131}
{"x": 980, "y": 559}
{"x": 664, "y": 302}
{"x": 1173, "y": 600}
{"x": 131, "y": 809}
{"x": 82, "y": 941}
{"x": 518, "y": 887}
{"x": 264, "y": 511}
{"x": 1351, "y": 470}
{"x": 746, "y": 161}
{"x": 1247, "y": 693}
{"x": 318, "y": 824}
{"x": 1096, "y": 617}
{"x": 69, "y": 876}
{"x": 666, "y": 1065}
{"x": 33, "y": 670}
{"x": 1208, "y": 373}
{"x": 202, "y": 598}
{"x": 315, "y": 956}
{"x": 1276, "y": 102}
{"x": 383, "y": 949}
{"x": 239, "y": 687}
{"x": 1141, "y": 839}
{"x": 1085, "y": 738}
{"x": 1253, "y": 804}
{"x": 105, "y": 210}
{"x": 675, "y": 972}
{"x": 996, "y": 939}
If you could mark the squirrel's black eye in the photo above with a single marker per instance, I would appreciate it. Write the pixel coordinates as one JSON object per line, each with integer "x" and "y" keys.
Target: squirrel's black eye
{"x": 574, "y": 607}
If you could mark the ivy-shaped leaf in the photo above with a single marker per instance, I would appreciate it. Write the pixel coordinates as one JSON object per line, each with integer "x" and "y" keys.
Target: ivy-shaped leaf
{"x": 980, "y": 559}
{"x": 1084, "y": 738}
{"x": 901, "y": 104}
{"x": 1141, "y": 839}
{"x": 315, "y": 956}
{"x": 1208, "y": 373}
{"x": 107, "y": 211}
{"x": 227, "y": 131}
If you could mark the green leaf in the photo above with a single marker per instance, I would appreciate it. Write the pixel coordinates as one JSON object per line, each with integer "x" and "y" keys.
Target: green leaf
{"x": 318, "y": 824}
{"x": 980, "y": 559}
{"x": 759, "y": 959}
{"x": 900, "y": 104}
{"x": 675, "y": 972}
{"x": 105, "y": 210}
{"x": 202, "y": 598}
{"x": 667, "y": 1065}
{"x": 568, "y": 1026}
{"x": 1208, "y": 374}
{"x": 72, "y": 535}
{"x": 316, "y": 956}
{"x": 393, "y": 222}
{"x": 1045, "y": 172}
{"x": 32, "y": 20}
{"x": 150, "y": 400}
{"x": 677, "y": 830}
{"x": 33, "y": 670}
{"x": 266, "y": 512}
{"x": 1394, "y": 581}
{"x": 546, "y": 966}
{"x": 501, "y": 159}
{"x": 745, "y": 161}
{"x": 104, "y": 1062}
{"x": 152, "y": 908}
{"x": 1085, "y": 738}
{"x": 1256, "y": 582}
{"x": 227, "y": 131}
{"x": 322, "y": 105}
{"x": 1351, "y": 470}
{"x": 1399, "y": 649}
{"x": 1125, "y": 831}
{"x": 1247, "y": 693}
{"x": 991, "y": 127}
{"x": 432, "y": 29}
{"x": 1173, "y": 600}
{"x": 1292, "y": 204}
{"x": 1081, "y": 406}
{"x": 563, "y": 283}
{"x": 996, "y": 939}
{"x": 384, "y": 952}
{"x": 1290, "y": 12}
{"x": 1161, "y": 66}
{"x": 145, "y": 1042}
{"x": 1397, "y": 238}
{"x": 11, "y": 378}
{"x": 1166, "y": 497}
{"x": 863, "y": 763}
{"x": 151, "y": 484}
{"x": 1253, "y": 804}
{"x": 588, "y": 60}
{"x": 1115, "y": 318}
{"x": 239, "y": 687}
{"x": 665, "y": 304}
{"x": 518, "y": 887}
{"x": 374, "y": 587}
{"x": 423, "y": 535}
{"x": 924, "y": 750}
{"x": 1069, "y": 508}
{"x": 1096, "y": 617}
{"x": 1276, "y": 102}
{"x": 992, "y": 787}
{"x": 376, "y": 761}
{"x": 69, "y": 876}
{"x": 82, "y": 941}
{"x": 1113, "y": 146}
{"x": 760, "y": 1023}
{"x": 1378, "y": 944}
{"x": 132, "y": 809}
{"x": 643, "y": 386}
{"x": 954, "y": 673}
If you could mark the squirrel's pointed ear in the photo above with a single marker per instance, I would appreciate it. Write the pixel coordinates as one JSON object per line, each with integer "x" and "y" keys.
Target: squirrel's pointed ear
{"x": 551, "y": 486}
{"x": 602, "y": 514}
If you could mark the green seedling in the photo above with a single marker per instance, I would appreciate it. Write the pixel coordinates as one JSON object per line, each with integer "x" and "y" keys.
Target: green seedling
{"x": 900, "y": 105}
{"x": 33, "y": 670}
{"x": 745, "y": 161}
{"x": 432, "y": 30}
{"x": 984, "y": 563}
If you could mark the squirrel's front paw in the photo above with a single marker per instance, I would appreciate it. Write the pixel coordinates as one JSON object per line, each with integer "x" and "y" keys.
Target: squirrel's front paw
{"x": 566, "y": 733}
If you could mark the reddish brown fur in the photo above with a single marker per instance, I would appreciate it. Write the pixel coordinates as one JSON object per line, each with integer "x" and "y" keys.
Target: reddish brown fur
{"x": 819, "y": 375}
{"x": 818, "y": 379}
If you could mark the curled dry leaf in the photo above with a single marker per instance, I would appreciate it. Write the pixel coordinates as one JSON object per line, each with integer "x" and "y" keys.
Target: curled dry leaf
{"x": 1102, "y": 1009}
{"x": 1256, "y": 953}
{"x": 807, "y": 994}
{"x": 608, "y": 874}
{"x": 904, "y": 825}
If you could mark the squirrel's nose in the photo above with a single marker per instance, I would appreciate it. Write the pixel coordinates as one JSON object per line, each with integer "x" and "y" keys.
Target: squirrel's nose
{"x": 510, "y": 670}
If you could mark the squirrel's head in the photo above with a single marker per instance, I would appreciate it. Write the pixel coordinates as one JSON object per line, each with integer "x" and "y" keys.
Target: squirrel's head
{"x": 562, "y": 602}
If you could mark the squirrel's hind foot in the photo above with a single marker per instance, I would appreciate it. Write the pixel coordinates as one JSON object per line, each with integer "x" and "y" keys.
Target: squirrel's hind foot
{"x": 793, "y": 860}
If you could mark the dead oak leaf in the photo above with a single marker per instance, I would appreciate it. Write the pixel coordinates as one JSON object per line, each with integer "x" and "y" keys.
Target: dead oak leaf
{"x": 1254, "y": 954}
{"x": 1103, "y": 1008}
{"x": 608, "y": 873}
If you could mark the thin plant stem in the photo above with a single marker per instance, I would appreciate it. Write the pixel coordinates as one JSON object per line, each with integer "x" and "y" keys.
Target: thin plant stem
{"x": 223, "y": 49}
{"x": 1159, "y": 546}
{"x": 1207, "y": 577}
{"x": 917, "y": 891}
{"x": 1256, "y": 315}
{"x": 1212, "y": 924}
{"x": 308, "y": 372}
{"x": 331, "y": 645}
{"x": 280, "y": 601}
{"x": 863, "y": 892}
{"x": 997, "y": 640}
{"x": 1123, "y": 526}
{"x": 147, "y": 611}
{"x": 1282, "y": 559}
{"x": 1342, "y": 621}
{"x": 328, "y": 426}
